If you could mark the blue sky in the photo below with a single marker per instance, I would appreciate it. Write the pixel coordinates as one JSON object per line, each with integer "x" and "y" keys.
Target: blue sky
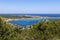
{"x": 29, "y": 6}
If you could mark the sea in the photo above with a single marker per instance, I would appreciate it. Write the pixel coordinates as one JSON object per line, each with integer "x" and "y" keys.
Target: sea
{"x": 30, "y": 21}
{"x": 49, "y": 15}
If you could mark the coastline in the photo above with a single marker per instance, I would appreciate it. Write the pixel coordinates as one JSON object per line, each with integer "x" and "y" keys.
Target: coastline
{"x": 15, "y": 19}
{"x": 9, "y": 19}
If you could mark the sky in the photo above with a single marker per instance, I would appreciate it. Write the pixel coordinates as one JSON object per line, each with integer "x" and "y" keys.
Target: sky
{"x": 29, "y": 6}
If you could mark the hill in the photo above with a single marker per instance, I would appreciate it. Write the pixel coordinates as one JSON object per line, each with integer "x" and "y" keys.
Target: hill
{"x": 46, "y": 30}
{"x": 7, "y": 32}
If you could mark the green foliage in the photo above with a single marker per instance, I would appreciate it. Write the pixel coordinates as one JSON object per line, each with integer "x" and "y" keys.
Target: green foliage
{"x": 7, "y": 32}
{"x": 47, "y": 30}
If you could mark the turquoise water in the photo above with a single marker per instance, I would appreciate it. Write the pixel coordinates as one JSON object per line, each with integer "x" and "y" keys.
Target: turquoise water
{"x": 30, "y": 21}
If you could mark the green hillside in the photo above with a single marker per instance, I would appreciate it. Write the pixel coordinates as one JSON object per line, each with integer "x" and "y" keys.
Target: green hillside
{"x": 47, "y": 30}
{"x": 7, "y": 32}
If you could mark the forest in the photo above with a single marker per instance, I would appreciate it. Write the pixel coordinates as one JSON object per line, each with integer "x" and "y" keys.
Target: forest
{"x": 46, "y": 30}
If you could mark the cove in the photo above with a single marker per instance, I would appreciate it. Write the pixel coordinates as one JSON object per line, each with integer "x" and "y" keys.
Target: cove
{"x": 30, "y": 21}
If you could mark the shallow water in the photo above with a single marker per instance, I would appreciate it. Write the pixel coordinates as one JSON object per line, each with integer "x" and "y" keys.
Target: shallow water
{"x": 30, "y": 21}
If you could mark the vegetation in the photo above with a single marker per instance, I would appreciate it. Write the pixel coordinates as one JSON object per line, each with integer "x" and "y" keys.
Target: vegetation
{"x": 47, "y": 30}
{"x": 15, "y": 16}
{"x": 7, "y": 32}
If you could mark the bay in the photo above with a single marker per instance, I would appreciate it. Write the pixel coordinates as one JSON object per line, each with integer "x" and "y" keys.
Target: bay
{"x": 30, "y": 21}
